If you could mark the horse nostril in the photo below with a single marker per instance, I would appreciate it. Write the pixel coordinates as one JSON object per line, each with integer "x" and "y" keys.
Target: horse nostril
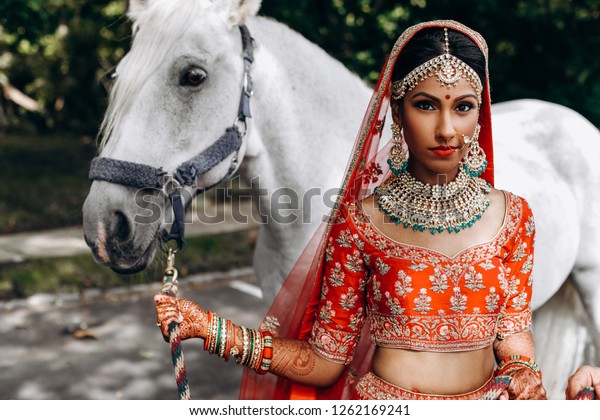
{"x": 122, "y": 229}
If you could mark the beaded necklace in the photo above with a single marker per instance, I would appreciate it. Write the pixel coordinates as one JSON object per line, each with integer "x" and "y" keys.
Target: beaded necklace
{"x": 450, "y": 207}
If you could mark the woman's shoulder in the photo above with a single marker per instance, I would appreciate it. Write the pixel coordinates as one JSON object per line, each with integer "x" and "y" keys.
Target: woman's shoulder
{"x": 514, "y": 203}
{"x": 519, "y": 216}
{"x": 350, "y": 214}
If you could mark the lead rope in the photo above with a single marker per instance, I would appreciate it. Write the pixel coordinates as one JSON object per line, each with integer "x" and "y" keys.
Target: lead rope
{"x": 169, "y": 288}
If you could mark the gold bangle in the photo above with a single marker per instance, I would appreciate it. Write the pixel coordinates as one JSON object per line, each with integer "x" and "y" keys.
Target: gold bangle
{"x": 223, "y": 343}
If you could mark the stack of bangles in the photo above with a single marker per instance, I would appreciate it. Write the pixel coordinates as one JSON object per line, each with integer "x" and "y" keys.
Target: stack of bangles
{"x": 257, "y": 350}
{"x": 517, "y": 362}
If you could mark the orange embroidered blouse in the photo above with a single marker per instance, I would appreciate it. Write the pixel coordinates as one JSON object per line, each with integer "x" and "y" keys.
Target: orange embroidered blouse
{"x": 416, "y": 298}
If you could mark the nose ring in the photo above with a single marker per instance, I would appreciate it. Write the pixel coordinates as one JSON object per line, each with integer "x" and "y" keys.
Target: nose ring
{"x": 468, "y": 139}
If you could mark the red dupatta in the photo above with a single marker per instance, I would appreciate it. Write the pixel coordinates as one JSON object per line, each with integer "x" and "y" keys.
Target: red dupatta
{"x": 292, "y": 313}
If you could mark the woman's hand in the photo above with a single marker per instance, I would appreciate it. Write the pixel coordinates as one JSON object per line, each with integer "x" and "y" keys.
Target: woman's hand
{"x": 524, "y": 385}
{"x": 190, "y": 316}
{"x": 584, "y": 377}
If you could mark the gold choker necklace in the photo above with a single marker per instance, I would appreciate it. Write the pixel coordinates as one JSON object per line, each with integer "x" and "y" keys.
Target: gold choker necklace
{"x": 450, "y": 207}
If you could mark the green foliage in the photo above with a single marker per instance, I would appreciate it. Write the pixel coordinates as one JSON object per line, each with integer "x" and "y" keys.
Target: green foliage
{"x": 57, "y": 51}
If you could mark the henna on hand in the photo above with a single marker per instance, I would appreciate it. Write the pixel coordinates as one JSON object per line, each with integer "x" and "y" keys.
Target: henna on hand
{"x": 525, "y": 385}
{"x": 190, "y": 316}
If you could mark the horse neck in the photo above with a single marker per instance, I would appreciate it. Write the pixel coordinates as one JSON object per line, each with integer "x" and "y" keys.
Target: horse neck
{"x": 307, "y": 109}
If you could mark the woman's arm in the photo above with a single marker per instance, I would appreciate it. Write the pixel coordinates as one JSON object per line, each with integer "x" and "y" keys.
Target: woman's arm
{"x": 296, "y": 360}
{"x": 526, "y": 383}
{"x": 293, "y": 359}
{"x": 513, "y": 348}
{"x": 521, "y": 344}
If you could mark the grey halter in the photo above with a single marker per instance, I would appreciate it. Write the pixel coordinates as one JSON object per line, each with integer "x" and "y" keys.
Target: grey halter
{"x": 138, "y": 175}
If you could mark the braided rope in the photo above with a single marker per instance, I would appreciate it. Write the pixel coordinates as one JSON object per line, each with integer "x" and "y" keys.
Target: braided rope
{"x": 183, "y": 388}
{"x": 499, "y": 384}
{"x": 169, "y": 288}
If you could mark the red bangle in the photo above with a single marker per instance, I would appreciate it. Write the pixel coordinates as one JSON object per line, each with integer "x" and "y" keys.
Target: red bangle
{"x": 229, "y": 340}
{"x": 267, "y": 354}
{"x": 516, "y": 360}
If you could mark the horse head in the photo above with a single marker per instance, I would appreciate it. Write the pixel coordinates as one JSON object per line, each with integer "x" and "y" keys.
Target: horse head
{"x": 175, "y": 93}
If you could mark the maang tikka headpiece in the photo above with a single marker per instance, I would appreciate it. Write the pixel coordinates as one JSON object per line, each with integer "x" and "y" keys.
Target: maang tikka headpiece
{"x": 448, "y": 70}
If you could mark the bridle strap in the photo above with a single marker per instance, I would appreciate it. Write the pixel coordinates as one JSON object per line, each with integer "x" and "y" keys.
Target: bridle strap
{"x": 130, "y": 174}
{"x": 248, "y": 46}
{"x": 230, "y": 142}
{"x": 138, "y": 175}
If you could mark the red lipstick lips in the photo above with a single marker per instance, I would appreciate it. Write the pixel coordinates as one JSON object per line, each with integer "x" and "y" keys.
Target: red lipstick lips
{"x": 443, "y": 151}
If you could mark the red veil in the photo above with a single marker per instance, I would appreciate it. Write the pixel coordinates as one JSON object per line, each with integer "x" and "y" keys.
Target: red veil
{"x": 293, "y": 311}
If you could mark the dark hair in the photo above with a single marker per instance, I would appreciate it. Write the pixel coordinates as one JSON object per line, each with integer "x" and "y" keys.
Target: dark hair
{"x": 430, "y": 43}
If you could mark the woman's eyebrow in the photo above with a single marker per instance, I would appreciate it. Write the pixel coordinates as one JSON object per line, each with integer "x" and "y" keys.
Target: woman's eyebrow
{"x": 427, "y": 95}
{"x": 468, "y": 95}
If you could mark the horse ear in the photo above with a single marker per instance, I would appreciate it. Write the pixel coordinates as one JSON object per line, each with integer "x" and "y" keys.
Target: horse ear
{"x": 241, "y": 9}
{"x": 136, "y": 7}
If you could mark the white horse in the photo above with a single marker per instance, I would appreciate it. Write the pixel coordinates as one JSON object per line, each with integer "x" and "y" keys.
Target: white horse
{"x": 178, "y": 88}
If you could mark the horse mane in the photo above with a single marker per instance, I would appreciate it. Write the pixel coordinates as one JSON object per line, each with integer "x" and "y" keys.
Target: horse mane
{"x": 168, "y": 22}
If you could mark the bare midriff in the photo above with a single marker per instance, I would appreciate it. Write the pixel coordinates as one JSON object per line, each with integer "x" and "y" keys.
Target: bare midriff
{"x": 447, "y": 373}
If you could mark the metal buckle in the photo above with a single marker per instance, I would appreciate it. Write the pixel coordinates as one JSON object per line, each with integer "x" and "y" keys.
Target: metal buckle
{"x": 248, "y": 84}
{"x": 170, "y": 185}
{"x": 239, "y": 123}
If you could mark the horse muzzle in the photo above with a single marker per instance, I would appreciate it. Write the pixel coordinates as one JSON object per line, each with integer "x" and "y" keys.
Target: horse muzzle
{"x": 114, "y": 230}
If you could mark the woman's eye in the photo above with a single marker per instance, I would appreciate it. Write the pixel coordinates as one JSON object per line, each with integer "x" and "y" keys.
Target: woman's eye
{"x": 192, "y": 77}
{"x": 464, "y": 107}
{"x": 425, "y": 105}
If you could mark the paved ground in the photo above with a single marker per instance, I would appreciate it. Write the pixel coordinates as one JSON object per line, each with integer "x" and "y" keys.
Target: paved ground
{"x": 108, "y": 346}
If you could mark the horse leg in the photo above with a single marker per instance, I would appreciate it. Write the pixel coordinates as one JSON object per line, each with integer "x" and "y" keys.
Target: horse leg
{"x": 587, "y": 281}
{"x": 586, "y": 273}
{"x": 586, "y": 277}
{"x": 562, "y": 338}
{"x": 271, "y": 263}
{"x": 566, "y": 328}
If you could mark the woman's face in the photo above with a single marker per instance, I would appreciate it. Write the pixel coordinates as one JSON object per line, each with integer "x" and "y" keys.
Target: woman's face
{"x": 433, "y": 117}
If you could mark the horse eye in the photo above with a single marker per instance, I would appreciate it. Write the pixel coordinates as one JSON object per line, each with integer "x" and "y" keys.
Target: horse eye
{"x": 192, "y": 77}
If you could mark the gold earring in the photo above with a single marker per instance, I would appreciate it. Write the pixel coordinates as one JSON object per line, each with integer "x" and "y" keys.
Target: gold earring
{"x": 474, "y": 162}
{"x": 398, "y": 160}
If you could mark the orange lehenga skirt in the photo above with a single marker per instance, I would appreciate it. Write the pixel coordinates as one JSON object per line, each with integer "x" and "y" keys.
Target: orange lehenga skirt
{"x": 372, "y": 387}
